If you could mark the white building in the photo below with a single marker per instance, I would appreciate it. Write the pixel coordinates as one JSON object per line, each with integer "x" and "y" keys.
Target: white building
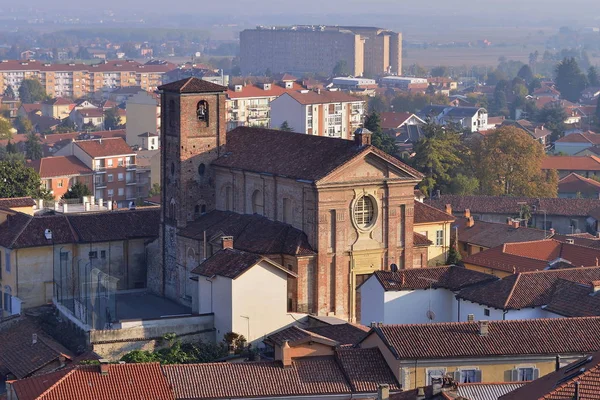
{"x": 472, "y": 119}
{"x": 143, "y": 125}
{"x": 246, "y": 292}
{"x": 353, "y": 83}
{"x": 322, "y": 112}
{"x": 402, "y": 82}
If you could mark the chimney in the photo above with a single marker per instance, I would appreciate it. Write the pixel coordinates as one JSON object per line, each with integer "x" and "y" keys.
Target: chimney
{"x": 467, "y": 213}
{"x": 509, "y": 220}
{"x": 103, "y": 366}
{"x": 471, "y": 317}
{"x": 61, "y": 360}
{"x": 576, "y": 396}
{"x": 286, "y": 356}
{"x": 470, "y": 222}
{"x": 484, "y": 327}
{"x": 570, "y": 241}
{"x": 557, "y": 363}
{"x": 420, "y": 394}
{"x": 227, "y": 242}
{"x": 552, "y": 231}
{"x": 362, "y": 137}
{"x": 33, "y": 338}
{"x": 596, "y": 285}
{"x": 449, "y": 209}
{"x": 516, "y": 224}
{"x": 383, "y": 392}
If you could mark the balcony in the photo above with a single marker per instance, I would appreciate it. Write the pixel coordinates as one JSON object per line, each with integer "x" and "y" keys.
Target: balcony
{"x": 131, "y": 181}
{"x": 100, "y": 184}
{"x": 131, "y": 166}
{"x": 100, "y": 169}
{"x": 258, "y": 107}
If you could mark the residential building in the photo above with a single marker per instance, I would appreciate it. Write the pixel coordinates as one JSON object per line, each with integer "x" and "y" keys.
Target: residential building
{"x": 482, "y": 351}
{"x": 333, "y": 185}
{"x": 143, "y": 111}
{"x": 565, "y": 216}
{"x": 189, "y": 70}
{"x": 148, "y": 171}
{"x": 575, "y": 143}
{"x": 225, "y": 287}
{"x": 28, "y": 109}
{"x": 350, "y": 83}
{"x": 471, "y": 119}
{"x": 58, "y": 108}
{"x": 249, "y": 101}
{"x": 575, "y": 186}
{"x": 114, "y": 166}
{"x": 59, "y": 174}
{"x": 416, "y": 296}
{"x": 435, "y": 225}
{"x": 537, "y": 131}
{"x": 402, "y": 82}
{"x": 577, "y": 380}
{"x": 565, "y": 165}
{"x": 366, "y": 50}
{"x": 25, "y": 205}
{"x": 80, "y": 80}
{"x": 329, "y": 113}
{"x": 405, "y": 128}
{"x": 93, "y": 117}
{"x": 511, "y": 258}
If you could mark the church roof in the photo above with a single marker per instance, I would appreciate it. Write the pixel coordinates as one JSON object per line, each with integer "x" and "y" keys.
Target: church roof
{"x": 294, "y": 155}
{"x": 251, "y": 233}
{"x": 192, "y": 85}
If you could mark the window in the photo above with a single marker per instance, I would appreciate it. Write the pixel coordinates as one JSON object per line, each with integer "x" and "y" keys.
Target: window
{"x": 202, "y": 111}
{"x": 524, "y": 374}
{"x": 120, "y": 177}
{"x": 121, "y": 191}
{"x": 111, "y": 192}
{"x": 7, "y": 261}
{"x": 93, "y": 254}
{"x": 486, "y": 312}
{"x": 102, "y": 253}
{"x": 433, "y": 374}
{"x": 470, "y": 375}
{"x": 439, "y": 238}
{"x": 120, "y": 162}
{"x": 287, "y": 211}
{"x": 258, "y": 206}
{"x": 201, "y": 169}
{"x": 228, "y": 199}
{"x": 109, "y": 162}
{"x": 59, "y": 183}
{"x": 364, "y": 212}
{"x": 110, "y": 178}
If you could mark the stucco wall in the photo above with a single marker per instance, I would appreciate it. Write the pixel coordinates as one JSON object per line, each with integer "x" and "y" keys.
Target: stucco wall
{"x": 285, "y": 108}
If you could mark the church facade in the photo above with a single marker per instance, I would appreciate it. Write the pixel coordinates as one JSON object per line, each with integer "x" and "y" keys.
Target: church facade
{"x": 333, "y": 211}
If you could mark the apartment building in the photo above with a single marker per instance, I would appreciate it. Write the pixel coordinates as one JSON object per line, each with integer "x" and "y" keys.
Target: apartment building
{"x": 79, "y": 80}
{"x": 114, "y": 166}
{"x": 323, "y": 112}
{"x": 249, "y": 103}
{"x": 317, "y": 49}
{"x": 59, "y": 174}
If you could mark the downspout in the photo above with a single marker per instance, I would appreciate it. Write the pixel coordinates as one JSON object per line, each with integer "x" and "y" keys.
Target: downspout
{"x": 504, "y": 312}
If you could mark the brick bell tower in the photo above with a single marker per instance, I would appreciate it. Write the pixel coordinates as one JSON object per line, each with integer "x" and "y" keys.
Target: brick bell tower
{"x": 193, "y": 129}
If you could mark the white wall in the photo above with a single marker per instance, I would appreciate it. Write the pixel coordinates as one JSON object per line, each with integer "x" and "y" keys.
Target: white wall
{"x": 285, "y": 108}
{"x": 141, "y": 113}
{"x": 478, "y": 311}
{"x": 570, "y": 148}
{"x": 411, "y": 306}
{"x": 371, "y": 301}
{"x": 219, "y": 304}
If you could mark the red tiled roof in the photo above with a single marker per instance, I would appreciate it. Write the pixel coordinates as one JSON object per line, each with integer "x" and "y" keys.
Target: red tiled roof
{"x": 59, "y": 101}
{"x": 547, "y": 336}
{"x": 344, "y": 334}
{"x": 51, "y": 167}
{"x": 123, "y": 381}
{"x": 421, "y": 240}
{"x": 249, "y": 91}
{"x": 314, "y": 156}
{"x": 531, "y": 256}
{"x": 105, "y": 147}
{"x": 324, "y": 97}
{"x": 29, "y": 107}
{"x": 560, "y": 385}
{"x": 452, "y": 278}
{"x": 105, "y": 66}
{"x": 295, "y": 334}
{"x": 91, "y": 112}
{"x": 575, "y": 183}
{"x": 573, "y": 299}
{"x": 366, "y": 369}
{"x": 492, "y": 234}
{"x": 425, "y": 214}
{"x": 526, "y": 289}
{"x": 231, "y": 263}
{"x": 32, "y": 388}
{"x": 16, "y": 202}
{"x": 392, "y": 120}
{"x": 192, "y": 85}
{"x": 572, "y": 163}
{"x": 593, "y": 138}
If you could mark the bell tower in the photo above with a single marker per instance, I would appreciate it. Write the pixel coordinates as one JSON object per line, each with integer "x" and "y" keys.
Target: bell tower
{"x": 193, "y": 129}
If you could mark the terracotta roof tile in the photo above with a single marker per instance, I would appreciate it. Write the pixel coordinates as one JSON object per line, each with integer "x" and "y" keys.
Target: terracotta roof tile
{"x": 50, "y": 167}
{"x": 452, "y": 278}
{"x": 366, "y": 369}
{"x": 527, "y": 289}
{"x": 572, "y": 163}
{"x": 560, "y": 385}
{"x": 573, "y": 299}
{"x": 392, "y": 120}
{"x": 344, "y": 334}
{"x": 306, "y": 97}
{"x": 492, "y": 234}
{"x": 192, "y": 85}
{"x": 295, "y": 334}
{"x": 575, "y": 183}
{"x": 421, "y": 240}
{"x": 231, "y": 263}
{"x": 32, "y": 388}
{"x": 425, "y": 214}
{"x": 548, "y": 336}
{"x": 16, "y": 202}
{"x": 592, "y": 138}
{"x": 314, "y": 156}
{"x": 105, "y": 147}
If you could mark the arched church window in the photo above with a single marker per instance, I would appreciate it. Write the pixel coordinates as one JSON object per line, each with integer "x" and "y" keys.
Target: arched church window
{"x": 201, "y": 169}
{"x": 364, "y": 212}
{"x": 258, "y": 206}
{"x": 202, "y": 111}
{"x": 172, "y": 116}
{"x": 196, "y": 211}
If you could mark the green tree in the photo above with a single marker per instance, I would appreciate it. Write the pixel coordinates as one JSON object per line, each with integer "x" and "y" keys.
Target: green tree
{"x": 23, "y": 124}
{"x": 379, "y": 139}
{"x": 66, "y": 125}
{"x": 341, "y": 69}
{"x": 33, "y": 146}
{"x": 454, "y": 256}
{"x": 526, "y": 74}
{"x": 112, "y": 120}
{"x": 77, "y": 191}
{"x": 83, "y": 54}
{"x": 268, "y": 73}
{"x": 9, "y": 92}
{"x": 378, "y": 104}
{"x": 154, "y": 190}
{"x": 570, "y": 81}
{"x": 440, "y": 71}
{"x": 436, "y": 155}
{"x": 430, "y": 90}
{"x": 553, "y": 118}
{"x": 285, "y": 126}
{"x": 31, "y": 90}
{"x": 5, "y": 129}
{"x": 464, "y": 185}
{"x": 18, "y": 180}
{"x": 508, "y": 161}
{"x": 592, "y": 76}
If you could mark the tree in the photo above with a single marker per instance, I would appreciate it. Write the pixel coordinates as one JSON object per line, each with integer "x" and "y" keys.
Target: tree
{"x": 454, "y": 256}
{"x": 154, "y": 190}
{"x": 82, "y": 54}
{"x": 526, "y": 74}
{"x": 593, "y": 78}
{"x": 440, "y": 71}
{"x": 341, "y": 69}
{"x": 67, "y": 125}
{"x": 430, "y": 90}
{"x": 379, "y": 139}
{"x": 77, "y": 191}
{"x": 285, "y": 126}
{"x": 464, "y": 185}
{"x": 19, "y": 180}
{"x": 5, "y": 129}
{"x": 378, "y": 104}
{"x": 33, "y": 146}
{"x": 508, "y": 161}
{"x": 111, "y": 118}
{"x": 23, "y": 124}
{"x": 268, "y": 73}
{"x": 9, "y": 92}
{"x": 31, "y": 90}
{"x": 570, "y": 81}
{"x": 436, "y": 154}
{"x": 553, "y": 118}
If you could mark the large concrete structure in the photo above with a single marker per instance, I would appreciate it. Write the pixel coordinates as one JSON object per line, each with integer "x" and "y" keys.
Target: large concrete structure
{"x": 317, "y": 49}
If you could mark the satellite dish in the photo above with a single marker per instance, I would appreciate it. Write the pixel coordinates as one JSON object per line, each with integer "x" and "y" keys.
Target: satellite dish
{"x": 48, "y": 234}
{"x": 394, "y": 268}
{"x": 430, "y": 315}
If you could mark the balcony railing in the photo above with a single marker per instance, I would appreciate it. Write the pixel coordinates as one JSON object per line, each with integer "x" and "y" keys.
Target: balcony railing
{"x": 100, "y": 168}
{"x": 131, "y": 182}
{"x": 131, "y": 166}
{"x": 100, "y": 184}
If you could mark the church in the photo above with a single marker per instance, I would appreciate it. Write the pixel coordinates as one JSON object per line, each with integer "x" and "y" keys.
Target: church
{"x": 330, "y": 210}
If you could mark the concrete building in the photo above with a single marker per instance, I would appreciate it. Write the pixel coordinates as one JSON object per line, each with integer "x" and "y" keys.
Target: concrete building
{"x": 58, "y": 108}
{"x": 471, "y": 119}
{"x": 59, "y": 174}
{"x": 331, "y": 113}
{"x": 303, "y": 49}
{"x": 143, "y": 111}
